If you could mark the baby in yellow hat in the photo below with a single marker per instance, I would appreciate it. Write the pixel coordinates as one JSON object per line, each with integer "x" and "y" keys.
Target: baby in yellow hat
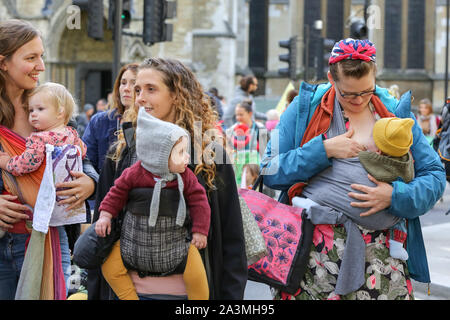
{"x": 392, "y": 161}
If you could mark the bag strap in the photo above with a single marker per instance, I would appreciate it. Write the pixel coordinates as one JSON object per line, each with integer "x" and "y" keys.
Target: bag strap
{"x": 258, "y": 183}
{"x": 139, "y": 201}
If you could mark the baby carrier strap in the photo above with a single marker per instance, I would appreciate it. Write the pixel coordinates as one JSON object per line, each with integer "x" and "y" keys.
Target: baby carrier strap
{"x": 142, "y": 274}
{"x": 139, "y": 200}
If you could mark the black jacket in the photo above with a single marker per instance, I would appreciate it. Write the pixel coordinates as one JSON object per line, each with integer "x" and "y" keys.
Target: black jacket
{"x": 225, "y": 259}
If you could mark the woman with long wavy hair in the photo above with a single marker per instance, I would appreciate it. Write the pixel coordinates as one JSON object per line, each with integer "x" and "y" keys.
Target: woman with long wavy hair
{"x": 169, "y": 91}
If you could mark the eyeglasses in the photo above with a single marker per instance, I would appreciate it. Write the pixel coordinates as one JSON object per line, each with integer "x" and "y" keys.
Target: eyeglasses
{"x": 351, "y": 96}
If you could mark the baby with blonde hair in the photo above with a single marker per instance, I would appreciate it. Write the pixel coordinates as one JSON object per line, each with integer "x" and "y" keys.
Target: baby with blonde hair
{"x": 50, "y": 107}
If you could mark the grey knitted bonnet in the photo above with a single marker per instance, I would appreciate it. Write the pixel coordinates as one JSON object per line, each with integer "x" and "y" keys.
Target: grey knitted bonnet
{"x": 154, "y": 142}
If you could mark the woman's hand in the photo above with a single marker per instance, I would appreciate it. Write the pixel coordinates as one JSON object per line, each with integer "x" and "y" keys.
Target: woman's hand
{"x": 77, "y": 190}
{"x": 11, "y": 212}
{"x": 342, "y": 146}
{"x": 376, "y": 198}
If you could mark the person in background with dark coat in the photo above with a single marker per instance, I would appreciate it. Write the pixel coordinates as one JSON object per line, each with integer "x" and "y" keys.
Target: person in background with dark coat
{"x": 101, "y": 130}
{"x": 84, "y": 118}
{"x": 216, "y": 104}
{"x": 247, "y": 86}
{"x": 101, "y": 105}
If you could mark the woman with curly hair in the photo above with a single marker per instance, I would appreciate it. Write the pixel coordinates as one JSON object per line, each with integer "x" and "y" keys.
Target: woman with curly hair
{"x": 169, "y": 91}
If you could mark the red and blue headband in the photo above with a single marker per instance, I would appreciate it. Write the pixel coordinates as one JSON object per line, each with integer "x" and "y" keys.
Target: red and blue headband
{"x": 354, "y": 50}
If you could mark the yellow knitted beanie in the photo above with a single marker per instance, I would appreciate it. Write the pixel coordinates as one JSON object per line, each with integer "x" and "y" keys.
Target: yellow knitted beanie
{"x": 393, "y": 136}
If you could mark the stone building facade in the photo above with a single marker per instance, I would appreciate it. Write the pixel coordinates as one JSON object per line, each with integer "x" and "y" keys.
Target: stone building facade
{"x": 212, "y": 37}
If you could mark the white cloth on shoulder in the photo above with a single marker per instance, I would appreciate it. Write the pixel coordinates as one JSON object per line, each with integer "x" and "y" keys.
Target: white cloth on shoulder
{"x": 47, "y": 212}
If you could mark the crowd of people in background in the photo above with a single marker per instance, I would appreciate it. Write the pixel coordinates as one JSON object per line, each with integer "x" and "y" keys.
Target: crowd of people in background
{"x": 231, "y": 115}
{"x": 238, "y": 119}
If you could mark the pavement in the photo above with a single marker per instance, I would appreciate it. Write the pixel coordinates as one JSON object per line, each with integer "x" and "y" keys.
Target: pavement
{"x": 436, "y": 236}
{"x": 437, "y": 244}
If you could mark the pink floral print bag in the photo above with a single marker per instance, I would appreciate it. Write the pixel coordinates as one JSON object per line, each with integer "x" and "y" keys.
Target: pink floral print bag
{"x": 288, "y": 235}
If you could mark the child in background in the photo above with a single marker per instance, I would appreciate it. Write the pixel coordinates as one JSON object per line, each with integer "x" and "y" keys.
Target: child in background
{"x": 162, "y": 162}
{"x": 272, "y": 119}
{"x": 250, "y": 173}
{"x": 50, "y": 108}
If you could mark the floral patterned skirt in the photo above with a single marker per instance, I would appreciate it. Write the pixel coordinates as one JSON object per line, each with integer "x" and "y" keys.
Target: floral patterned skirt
{"x": 386, "y": 278}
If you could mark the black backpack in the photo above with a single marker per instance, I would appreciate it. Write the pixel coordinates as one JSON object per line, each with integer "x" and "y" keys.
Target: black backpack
{"x": 441, "y": 143}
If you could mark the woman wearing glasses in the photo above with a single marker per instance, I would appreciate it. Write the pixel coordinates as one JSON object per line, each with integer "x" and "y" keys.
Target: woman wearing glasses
{"x": 320, "y": 136}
